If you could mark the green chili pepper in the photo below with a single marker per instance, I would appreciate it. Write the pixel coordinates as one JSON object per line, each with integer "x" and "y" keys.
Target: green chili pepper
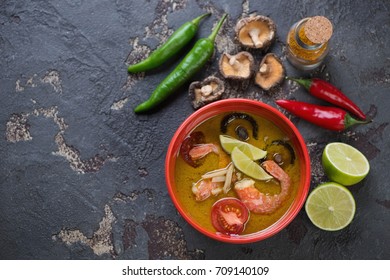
{"x": 191, "y": 63}
{"x": 172, "y": 46}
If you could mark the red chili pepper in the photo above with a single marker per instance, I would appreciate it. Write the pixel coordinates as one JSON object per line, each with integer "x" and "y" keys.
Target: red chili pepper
{"x": 331, "y": 118}
{"x": 328, "y": 92}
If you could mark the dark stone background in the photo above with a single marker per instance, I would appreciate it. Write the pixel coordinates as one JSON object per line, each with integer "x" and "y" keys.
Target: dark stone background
{"x": 82, "y": 176}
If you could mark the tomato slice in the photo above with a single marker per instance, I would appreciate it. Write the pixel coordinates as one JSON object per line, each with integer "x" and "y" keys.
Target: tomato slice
{"x": 229, "y": 216}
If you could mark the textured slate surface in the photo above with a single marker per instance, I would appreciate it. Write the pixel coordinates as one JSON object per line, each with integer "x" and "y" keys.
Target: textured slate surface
{"x": 82, "y": 176}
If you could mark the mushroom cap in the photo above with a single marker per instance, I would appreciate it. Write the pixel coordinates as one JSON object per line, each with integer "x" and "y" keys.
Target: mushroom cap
{"x": 206, "y": 91}
{"x": 271, "y": 72}
{"x": 238, "y": 66}
{"x": 257, "y": 32}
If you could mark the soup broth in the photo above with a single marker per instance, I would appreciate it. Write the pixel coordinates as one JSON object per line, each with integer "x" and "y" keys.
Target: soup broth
{"x": 186, "y": 175}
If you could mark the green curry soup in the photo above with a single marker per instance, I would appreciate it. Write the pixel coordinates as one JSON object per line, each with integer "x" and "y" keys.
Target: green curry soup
{"x": 186, "y": 175}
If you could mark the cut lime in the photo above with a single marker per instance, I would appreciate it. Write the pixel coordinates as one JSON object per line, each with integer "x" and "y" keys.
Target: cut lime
{"x": 229, "y": 143}
{"x": 330, "y": 206}
{"x": 344, "y": 164}
{"x": 247, "y": 166}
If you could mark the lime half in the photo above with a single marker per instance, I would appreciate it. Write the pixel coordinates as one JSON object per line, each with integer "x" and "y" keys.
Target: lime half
{"x": 229, "y": 143}
{"x": 247, "y": 166}
{"x": 344, "y": 164}
{"x": 330, "y": 206}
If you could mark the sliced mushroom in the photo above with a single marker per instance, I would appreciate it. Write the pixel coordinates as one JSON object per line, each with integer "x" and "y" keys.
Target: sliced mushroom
{"x": 241, "y": 116}
{"x": 271, "y": 72}
{"x": 242, "y": 133}
{"x": 206, "y": 91}
{"x": 281, "y": 152}
{"x": 237, "y": 66}
{"x": 257, "y": 32}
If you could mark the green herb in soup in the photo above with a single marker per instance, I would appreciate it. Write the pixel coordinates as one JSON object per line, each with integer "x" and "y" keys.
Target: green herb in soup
{"x": 235, "y": 161}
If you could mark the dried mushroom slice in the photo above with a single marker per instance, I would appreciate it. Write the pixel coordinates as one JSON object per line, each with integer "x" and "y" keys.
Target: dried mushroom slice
{"x": 206, "y": 91}
{"x": 257, "y": 32}
{"x": 237, "y": 66}
{"x": 271, "y": 72}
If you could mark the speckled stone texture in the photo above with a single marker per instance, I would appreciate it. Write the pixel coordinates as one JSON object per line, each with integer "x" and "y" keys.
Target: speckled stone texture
{"x": 82, "y": 176}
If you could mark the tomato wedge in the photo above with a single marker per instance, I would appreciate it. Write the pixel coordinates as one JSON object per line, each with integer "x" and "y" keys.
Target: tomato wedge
{"x": 229, "y": 216}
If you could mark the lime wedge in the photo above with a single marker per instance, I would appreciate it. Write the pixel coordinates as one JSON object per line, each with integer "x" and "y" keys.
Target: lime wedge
{"x": 247, "y": 166}
{"x": 229, "y": 143}
{"x": 344, "y": 164}
{"x": 330, "y": 206}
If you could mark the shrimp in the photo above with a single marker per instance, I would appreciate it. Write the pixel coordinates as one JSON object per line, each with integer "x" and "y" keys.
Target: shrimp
{"x": 206, "y": 187}
{"x": 201, "y": 150}
{"x": 259, "y": 202}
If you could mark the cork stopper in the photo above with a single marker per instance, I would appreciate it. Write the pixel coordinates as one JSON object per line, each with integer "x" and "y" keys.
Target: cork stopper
{"x": 318, "y": 29}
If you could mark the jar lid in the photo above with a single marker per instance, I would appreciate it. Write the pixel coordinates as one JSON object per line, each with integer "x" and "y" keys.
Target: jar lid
{"x": 318, "y": 29}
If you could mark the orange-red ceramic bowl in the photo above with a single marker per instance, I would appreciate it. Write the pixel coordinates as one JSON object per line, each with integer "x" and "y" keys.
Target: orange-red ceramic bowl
{"x": 253, "y": 107}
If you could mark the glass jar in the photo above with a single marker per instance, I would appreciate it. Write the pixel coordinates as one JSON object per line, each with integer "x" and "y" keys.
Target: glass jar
{"x": 303, "y": 53}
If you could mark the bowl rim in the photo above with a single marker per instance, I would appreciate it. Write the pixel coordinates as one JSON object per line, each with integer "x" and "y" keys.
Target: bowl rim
{"x": 205, "y": 113}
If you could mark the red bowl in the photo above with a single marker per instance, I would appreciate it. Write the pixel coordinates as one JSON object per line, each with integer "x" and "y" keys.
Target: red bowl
{"x": 256, "y": 108}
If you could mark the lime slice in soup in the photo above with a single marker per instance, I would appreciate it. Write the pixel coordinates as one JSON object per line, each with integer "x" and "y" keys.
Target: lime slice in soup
{"x": 229, "y": 143}
{"x": 247, "y": 166}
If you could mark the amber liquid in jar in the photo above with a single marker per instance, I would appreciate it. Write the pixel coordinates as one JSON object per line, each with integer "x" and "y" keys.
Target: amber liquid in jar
{"x": 307, "y": 42}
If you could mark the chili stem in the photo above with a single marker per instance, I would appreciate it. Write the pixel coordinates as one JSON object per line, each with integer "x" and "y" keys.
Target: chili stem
{"x": 303, "y": 82}
{"x": 216, "y": 29}
{"x": 197, "y": 20}
{"x": 349, "y": 121}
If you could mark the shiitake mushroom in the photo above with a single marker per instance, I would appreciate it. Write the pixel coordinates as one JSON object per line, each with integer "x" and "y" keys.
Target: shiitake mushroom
{"x": 242, "y": 116}
{"x": 256, "y": 32}
{"x": 242, "y": 133}
{"x": 206, "y": 91}
{"x": 271, "y": 72}
{"x": 236, "y": 67}
{"x": 281, "y": 152}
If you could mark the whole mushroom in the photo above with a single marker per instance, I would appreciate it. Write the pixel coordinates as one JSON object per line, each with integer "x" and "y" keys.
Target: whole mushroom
{"x": 206, "y": 91}
{"x": 256, "y": 32}
{"x": 271, "y": 72}
{"x": 238, "y": 66}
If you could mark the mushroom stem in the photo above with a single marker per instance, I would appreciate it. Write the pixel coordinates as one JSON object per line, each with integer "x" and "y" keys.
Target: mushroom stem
{"x": 264, "y": 69}
{"x": 206, "y": 90}
{"x": 254, "y": 34}
{"x": 234, "y": 62}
